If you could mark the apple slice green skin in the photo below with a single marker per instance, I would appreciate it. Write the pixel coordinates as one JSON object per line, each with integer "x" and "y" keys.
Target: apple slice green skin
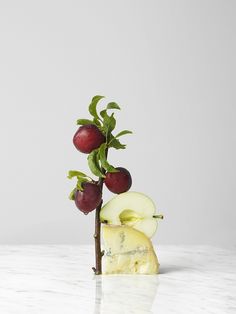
{"x": 133, "y": 209}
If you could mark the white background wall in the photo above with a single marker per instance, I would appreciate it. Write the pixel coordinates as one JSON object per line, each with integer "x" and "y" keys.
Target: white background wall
{"x": 169, "y": 64}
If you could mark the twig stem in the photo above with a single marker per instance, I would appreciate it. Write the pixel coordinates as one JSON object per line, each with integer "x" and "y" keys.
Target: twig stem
{"x": 97, "y": 235}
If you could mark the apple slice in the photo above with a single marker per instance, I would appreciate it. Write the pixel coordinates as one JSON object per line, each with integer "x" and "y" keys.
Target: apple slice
{"x": 133, "y": 209}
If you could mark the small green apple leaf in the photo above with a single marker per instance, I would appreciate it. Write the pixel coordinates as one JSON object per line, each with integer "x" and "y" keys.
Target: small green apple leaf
{"x": 103, "y": 159}
{"x": 115, "y": 143}
{"x": 98, "y": 161}
{"x": 103, "y": 113}
{"x": 112, "y": 123}
{"x": 84, "y": 122}
{"x": 80, "y": 181}
{"x": 75, "y": 173}
{"x": 79, "y": 184}
{"x": 72, "y": 194}
{"x": 97, "y": 122}
{"x": 109, "y": 122}
{"x": 94, "y": 164}
{"x": 113, "y": 105}
{"x": 93, "y": 106}
{"x": 123, "y": 133}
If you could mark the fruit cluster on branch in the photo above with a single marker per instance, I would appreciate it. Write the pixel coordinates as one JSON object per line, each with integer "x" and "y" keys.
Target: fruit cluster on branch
{"x": 94, "y": 137}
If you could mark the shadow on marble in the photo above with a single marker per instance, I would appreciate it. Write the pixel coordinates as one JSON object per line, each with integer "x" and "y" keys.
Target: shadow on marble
{"x": 125, "y": 293}
{"x": 171, "y": 269}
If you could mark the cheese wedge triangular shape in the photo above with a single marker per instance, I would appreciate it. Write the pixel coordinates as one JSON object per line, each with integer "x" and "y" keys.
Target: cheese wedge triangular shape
{"x": 128, "y": 251}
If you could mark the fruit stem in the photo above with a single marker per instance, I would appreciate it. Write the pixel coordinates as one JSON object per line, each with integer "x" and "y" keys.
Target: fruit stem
{"x": 158, "y": 216}
{"x": 98, "y": 252}
{"x": 97, "y": 235}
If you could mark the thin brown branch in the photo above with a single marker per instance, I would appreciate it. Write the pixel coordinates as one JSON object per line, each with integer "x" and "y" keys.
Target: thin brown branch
{"x": 97, "y": 235}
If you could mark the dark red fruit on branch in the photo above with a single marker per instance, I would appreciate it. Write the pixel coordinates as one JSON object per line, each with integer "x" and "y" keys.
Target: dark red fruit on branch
{"x": 118, "y": 182}
{"x": 87, "y": 138}
{"x": 88, "y": 199}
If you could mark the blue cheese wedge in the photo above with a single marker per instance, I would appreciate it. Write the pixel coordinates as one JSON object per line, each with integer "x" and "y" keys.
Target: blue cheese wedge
{"x": 128, "y": 251}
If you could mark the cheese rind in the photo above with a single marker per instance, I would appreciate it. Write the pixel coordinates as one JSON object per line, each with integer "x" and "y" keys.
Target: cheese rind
{"x": 128, "y": 251}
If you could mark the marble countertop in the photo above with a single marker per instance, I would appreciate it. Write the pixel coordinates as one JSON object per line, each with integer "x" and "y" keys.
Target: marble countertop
{"x": 58, "y": 279}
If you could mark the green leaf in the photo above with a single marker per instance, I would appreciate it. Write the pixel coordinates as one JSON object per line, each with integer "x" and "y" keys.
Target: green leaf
{"x": 113, "y": 105}
{"x": 103, "y": 113}
{"x": 115, "y": 143}
{"x": 103, "y": 159}
{"x": 97, "y": 122}
{"x": 94, "y": 164}
{"x": 75, "y": 173}
{"x": 84, "y": 121}
{"x": 97, "y": 157}
{"x": 79, "y": 184}
{"x": 109, "y": 122}
{"x": 123, "y": 133}
{"x": 72, "y": 194}
{"x": 112, "y": 123}
{"x": 93, "y": 106}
